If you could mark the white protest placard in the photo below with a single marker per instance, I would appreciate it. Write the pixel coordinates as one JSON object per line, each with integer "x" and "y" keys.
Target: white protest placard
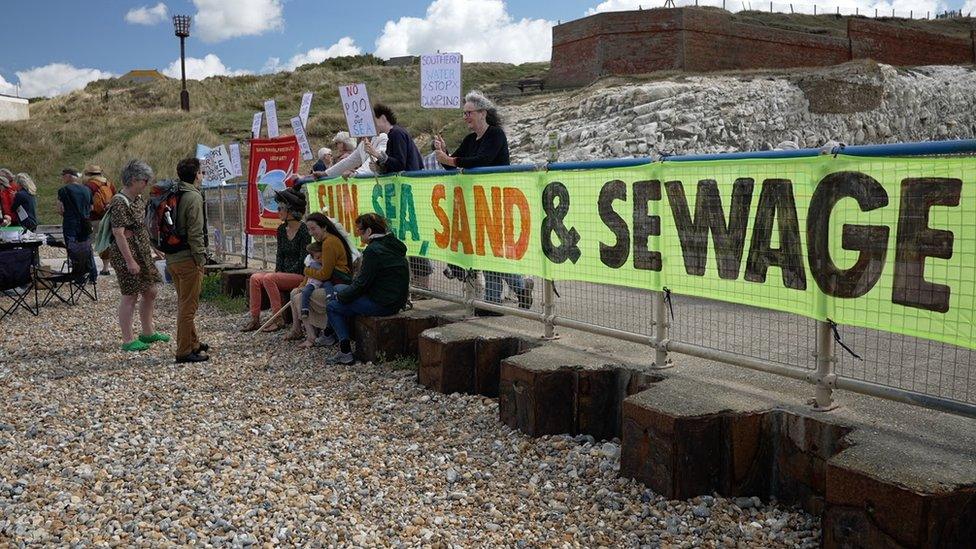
{"x": 216, "y": 166}
{"x": 235, "y": 158}
{"x": 271, "y": 112}
{"x": 256, "y": 125}
{"x": 359, "y": 111}
{"x": 306, "y": 107}
{"x": 296, "y": 124}
{"x": 440, "y": 81}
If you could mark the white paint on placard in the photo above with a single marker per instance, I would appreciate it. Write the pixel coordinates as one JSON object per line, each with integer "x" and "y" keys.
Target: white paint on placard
{"x": 256, "y": 125}
{"x": 235, "y": 158}
{"x": 271, "y": 112}
{"x": 296, "y": 124}
{"x": 440, "y": 81}
{"x": 306, "y": 108}
{"x": 359, "y": 111}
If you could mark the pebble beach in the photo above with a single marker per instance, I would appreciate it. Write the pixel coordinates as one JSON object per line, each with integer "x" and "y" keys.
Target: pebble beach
{"x": 266, "y": 446}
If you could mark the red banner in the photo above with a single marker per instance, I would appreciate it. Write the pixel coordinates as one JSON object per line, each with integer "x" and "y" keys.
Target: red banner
{"x": 273, "y": 163}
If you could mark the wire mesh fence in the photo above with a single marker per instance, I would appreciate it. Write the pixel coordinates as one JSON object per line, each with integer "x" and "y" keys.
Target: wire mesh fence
{"x": 606, "y": 298}
{"x": 813, "y": 8}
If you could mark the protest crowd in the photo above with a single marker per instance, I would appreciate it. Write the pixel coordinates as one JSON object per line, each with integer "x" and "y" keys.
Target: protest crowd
{"x": 318, "y": 262}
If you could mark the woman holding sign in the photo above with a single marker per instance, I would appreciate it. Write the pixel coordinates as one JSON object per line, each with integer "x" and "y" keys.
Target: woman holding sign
{"x": 486, "y": 145}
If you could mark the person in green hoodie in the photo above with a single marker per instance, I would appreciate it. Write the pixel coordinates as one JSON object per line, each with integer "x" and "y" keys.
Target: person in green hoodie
{"x": 186, "y": 265}
{"x": 380, "y": 287}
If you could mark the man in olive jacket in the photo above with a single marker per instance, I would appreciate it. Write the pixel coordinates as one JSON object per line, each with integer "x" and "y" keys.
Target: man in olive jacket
{"x": 380, "y": 287}
{"x": 186, "y": 266}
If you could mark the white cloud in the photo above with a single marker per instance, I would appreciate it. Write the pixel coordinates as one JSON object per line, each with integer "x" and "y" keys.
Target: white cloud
{"x": 6, "y": 87}
{"x": 969, "y": 7}
{"x": 481, "y": 31}
{"x": 53, "y": 79}
{"x": 146, "y": 15}
{"x": 218, "y": 20}
{"x": 198, "y": 69}
{"x": 345, "y": 46}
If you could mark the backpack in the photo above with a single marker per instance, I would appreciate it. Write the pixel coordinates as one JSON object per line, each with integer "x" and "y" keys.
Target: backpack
{"x": 164, "y": 235}
{"x": 104, "y": 237}
{"x": 102, "y": 193}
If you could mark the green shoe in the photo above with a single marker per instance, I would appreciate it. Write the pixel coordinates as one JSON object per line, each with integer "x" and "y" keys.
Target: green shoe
{"x": 154, "y": 337}
{"x": 134, "y": 345}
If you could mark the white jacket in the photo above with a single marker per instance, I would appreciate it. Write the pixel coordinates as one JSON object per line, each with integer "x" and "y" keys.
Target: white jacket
{"x": 358, "y": 161}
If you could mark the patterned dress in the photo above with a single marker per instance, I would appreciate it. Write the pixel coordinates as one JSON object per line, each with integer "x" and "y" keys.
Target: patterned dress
{"x": 130, "y": 216}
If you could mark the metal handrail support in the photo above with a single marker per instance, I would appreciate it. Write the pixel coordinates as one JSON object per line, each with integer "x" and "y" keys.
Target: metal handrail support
{"x": 824, "y": 378}
{"x": 662, "y": 328}
{"x": 549, "y": 309}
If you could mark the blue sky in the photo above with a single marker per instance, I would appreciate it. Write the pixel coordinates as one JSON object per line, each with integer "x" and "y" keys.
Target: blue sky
{"x": 55, "y": 46}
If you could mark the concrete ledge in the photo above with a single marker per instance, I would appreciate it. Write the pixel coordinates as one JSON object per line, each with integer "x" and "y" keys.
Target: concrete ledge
{"x": 399, "y": 335}
{"x": 465, "y": 357}
{"x": 554, "y": 389}
{"x": 685, "y": 437}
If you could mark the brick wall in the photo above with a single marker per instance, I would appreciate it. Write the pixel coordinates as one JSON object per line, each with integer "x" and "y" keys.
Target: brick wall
{"x": 898, "y": 46}
{"x": 691, "y": 39}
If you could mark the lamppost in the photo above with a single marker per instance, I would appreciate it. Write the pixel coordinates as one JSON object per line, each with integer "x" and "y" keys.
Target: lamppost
{"x": 182, "y": 25}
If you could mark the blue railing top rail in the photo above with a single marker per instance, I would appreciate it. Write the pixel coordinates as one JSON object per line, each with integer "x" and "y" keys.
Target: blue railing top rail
{"x": 922, "y": 148}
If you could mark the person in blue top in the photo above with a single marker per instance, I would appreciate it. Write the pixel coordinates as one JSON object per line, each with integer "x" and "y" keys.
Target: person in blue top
{"x": 401, "y": 154}
{"x": 26, "y": 198}
{"x": 74, "y": 205}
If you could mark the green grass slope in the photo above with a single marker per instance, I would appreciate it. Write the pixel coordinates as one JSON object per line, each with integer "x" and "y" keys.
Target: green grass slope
{"x": 110, "y": 122}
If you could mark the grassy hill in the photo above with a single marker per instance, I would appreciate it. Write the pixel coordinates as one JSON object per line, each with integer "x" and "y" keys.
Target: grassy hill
{"x": 110, "y": 122}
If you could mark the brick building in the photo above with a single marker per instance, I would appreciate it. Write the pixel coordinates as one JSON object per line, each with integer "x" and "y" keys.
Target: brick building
{"x": 699, "y": 40}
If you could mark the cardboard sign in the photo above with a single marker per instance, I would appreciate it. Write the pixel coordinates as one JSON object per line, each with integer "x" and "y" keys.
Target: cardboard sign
{"x": 235, "y": 158}
{"x": 358, "y": 109}
{"x": 272, "y": 163}
{"x": 256, "y": 125}
{"x": 306, "y": 107}
{"x": 215, "y": 164}
{"x": 271, "y": 111}
{"x": 296, "y": 124}
{"x": 440, "y": 81}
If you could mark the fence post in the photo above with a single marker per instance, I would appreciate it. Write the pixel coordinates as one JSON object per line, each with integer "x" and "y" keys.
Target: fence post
{"x": 242, "y": 208}
{"x": 549, "y": 308}
{"x": 825, "y": 376}
{"x": 662, "y": 327}
{"x": 223, "y": 225}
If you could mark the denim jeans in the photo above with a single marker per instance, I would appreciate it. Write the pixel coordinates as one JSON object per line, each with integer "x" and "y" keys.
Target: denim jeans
{"x": 341, "y": 314}
{"x": 307, "y": 293}
{"x": 493, "y": 285}
{"x": 93, "y": 270}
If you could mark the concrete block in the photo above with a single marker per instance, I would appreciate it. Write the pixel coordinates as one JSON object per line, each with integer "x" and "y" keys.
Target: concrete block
{"x": 393, "y": 336}
{"x": 233, "y": 282}
{"x": 553, "y": 389}
{"x": 465, "y": 357}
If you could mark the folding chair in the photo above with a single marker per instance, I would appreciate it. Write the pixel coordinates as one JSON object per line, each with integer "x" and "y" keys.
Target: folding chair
{"x": 16, "y": 282}
{"x": 69, "y": 286}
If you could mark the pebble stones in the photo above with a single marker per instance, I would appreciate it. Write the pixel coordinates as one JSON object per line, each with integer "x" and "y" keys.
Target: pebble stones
{"x": 265, "y": 446}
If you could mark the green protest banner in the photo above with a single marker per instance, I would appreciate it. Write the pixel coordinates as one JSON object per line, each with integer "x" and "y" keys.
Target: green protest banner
{"x": 883, "y": 243}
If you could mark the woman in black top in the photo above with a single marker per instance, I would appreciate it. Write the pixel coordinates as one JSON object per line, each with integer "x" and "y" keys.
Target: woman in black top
{"x": 486, "y": 145}
{"x": 292, "y": 238}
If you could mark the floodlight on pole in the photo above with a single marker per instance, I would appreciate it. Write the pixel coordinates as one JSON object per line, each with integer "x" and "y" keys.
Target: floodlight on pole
{"x": 181, "y": 24}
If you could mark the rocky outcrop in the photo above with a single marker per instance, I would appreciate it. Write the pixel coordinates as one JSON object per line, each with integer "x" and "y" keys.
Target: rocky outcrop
{"x": 855, "y": 103}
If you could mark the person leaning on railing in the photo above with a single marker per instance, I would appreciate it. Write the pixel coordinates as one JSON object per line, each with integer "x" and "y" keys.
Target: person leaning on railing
{"x": 292, "y": 239}
{"x": 485, "y": 146}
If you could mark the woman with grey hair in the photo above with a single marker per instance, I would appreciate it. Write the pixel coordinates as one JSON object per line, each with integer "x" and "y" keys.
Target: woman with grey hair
{"x": 132, "y": 256}
{"x": 486, "y": 145}
{"x": 26, "y": 199}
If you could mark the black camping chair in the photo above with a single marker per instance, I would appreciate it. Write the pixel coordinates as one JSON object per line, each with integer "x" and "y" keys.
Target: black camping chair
{"x": 70, "y": 285}
{"x": 16, "y": 284}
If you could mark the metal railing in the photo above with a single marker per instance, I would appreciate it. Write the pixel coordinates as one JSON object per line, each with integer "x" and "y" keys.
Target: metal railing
{"x": 902, "y": 368}
{"x": 811, "y": 8}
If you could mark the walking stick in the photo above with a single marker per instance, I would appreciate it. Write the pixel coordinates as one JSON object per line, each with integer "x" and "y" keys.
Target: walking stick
{"x": 274, "y": 317}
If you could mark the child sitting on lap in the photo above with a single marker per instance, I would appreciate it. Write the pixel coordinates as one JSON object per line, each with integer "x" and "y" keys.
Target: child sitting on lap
{"x": 313, "y": 260}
